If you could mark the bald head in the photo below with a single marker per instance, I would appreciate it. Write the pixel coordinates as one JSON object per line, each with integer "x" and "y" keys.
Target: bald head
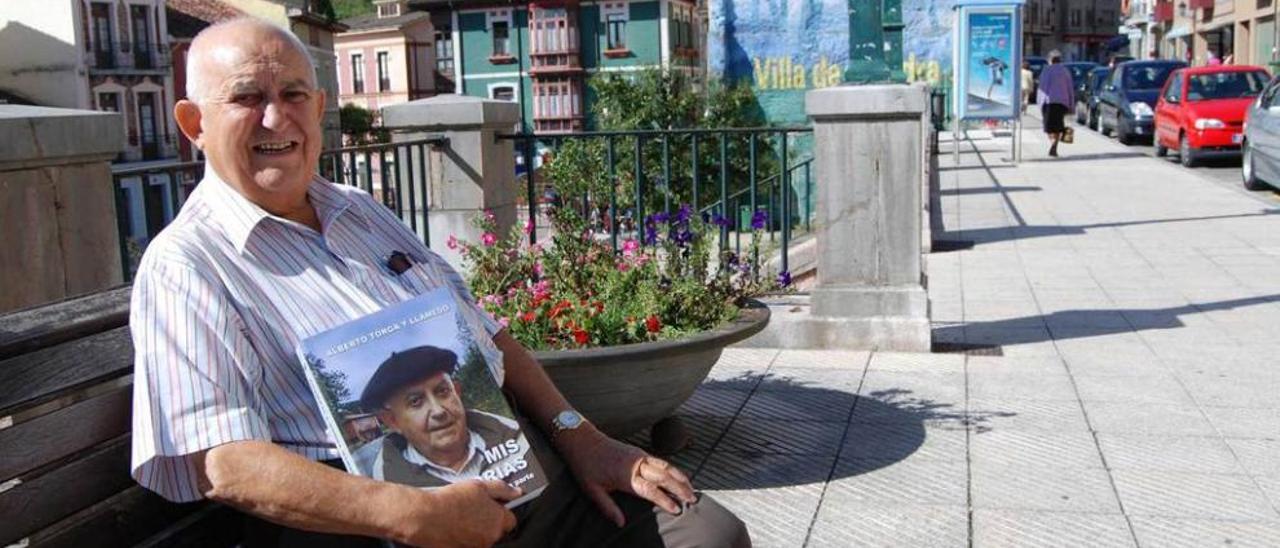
{"x": 228, "y": 43}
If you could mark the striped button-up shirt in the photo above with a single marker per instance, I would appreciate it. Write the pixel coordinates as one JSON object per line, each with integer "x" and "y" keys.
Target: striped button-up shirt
{"x": 221, "y": 299}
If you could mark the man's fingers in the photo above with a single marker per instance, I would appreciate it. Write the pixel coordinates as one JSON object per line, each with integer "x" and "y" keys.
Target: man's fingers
{"x": 499, "y": 490}
{"x": 650, "y": 491}
{"x": 606, "y": 505}
{"x": 669, "y": 478}
{"x": 508, "y": 521}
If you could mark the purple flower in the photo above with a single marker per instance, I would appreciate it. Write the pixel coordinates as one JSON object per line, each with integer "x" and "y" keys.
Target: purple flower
{"x": 758, "y": 219}
{"x": 784, "y": 279}
{"x": 683, "y": 215}
{"x": 733, "y": 259}
{"x": 719, "y": 220}
{"x": 660, "y": 217}
{"x": 682, "y": 237}
{"x": 650, "y": 235}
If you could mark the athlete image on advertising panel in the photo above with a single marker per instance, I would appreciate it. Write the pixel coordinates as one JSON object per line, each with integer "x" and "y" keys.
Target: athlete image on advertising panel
{"x": 434, "y": 439}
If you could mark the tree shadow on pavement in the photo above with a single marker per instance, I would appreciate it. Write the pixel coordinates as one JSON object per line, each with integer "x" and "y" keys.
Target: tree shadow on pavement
{"x": 1077, "y": 324}
{"x": 757, "y": 431}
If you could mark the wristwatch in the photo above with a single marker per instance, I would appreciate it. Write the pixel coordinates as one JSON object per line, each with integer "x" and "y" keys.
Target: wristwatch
{"x": 564, "y": 421}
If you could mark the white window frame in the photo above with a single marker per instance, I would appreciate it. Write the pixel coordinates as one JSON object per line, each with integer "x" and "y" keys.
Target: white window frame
{"x": 364, "y": 80}
{"x": 515, "y": 90}
{"x": 390, "y": 84}
{"x": 500, "y": 16}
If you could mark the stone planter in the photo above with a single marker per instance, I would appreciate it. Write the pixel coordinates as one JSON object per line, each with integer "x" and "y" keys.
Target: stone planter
{"x": 624, "y": 389}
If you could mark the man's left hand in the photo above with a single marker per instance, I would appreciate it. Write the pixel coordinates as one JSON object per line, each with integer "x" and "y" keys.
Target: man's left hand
{"x": 603, "y": 465}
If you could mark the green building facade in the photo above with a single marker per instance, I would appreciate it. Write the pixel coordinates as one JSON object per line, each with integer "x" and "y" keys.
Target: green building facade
{"x": 542, "y": 53}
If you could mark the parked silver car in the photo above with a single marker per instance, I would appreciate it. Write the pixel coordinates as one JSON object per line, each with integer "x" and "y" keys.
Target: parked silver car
{"x": 1260, "y": 161}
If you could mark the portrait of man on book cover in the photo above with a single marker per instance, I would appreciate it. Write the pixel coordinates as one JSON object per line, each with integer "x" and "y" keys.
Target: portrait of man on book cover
{"x": 434, "y": 439}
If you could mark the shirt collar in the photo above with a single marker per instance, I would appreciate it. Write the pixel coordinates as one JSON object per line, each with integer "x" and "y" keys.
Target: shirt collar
{"x": 476, "y": 446}
{"x": 239, "y": 216}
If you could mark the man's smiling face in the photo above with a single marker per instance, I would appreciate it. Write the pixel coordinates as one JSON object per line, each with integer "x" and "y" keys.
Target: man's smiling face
{"x": 260, "y": 118}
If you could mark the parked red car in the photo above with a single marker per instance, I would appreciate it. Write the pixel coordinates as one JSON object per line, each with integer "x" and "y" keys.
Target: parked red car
{"x": 1201, "y": 110}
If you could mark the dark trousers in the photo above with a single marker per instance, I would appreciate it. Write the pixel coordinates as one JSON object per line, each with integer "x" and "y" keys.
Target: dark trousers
{"x": 562, "y": 516}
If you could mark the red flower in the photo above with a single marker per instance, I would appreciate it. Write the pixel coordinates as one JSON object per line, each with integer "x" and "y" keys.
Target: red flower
{"x": 580, "y": 336}
{"x": 529, "y": 316}
{"x": 560, "y": 307}
{"x": 652, "y": 324}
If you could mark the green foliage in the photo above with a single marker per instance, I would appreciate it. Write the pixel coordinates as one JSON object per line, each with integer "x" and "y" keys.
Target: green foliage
{"x": 334, "y": 386}
{"x": 479, "y": 389}
{"x": 360, "y": 125}
{"x": 343, "y": 9}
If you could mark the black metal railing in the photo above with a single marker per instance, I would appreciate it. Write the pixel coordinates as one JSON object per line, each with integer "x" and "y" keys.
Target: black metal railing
{"x": 726, "y": 174}
{"x": 149, "y": 197}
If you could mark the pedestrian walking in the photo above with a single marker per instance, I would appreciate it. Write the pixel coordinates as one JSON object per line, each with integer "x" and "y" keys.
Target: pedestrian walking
{"x": 1056, "y": 95}
{"x": 1028, "y": 84}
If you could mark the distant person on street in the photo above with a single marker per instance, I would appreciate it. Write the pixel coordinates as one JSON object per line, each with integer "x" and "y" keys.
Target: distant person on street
{"x": 1028, "y": 83}
{"x": 1055, "y": 97}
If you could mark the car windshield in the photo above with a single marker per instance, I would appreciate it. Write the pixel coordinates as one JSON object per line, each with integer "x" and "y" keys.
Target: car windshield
{"x": 1100, "y": 78}
{"x": 1225, "y": 85}
{"x": 1079, "y": 71}
{"x": 1146, "y": 76}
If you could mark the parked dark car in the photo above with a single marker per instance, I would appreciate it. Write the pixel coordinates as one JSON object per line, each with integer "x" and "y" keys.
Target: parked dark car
{"x": 1087, "y": 96}
{"x": 1260, "y": 165}
{"x": 1035, "y": 64}
{"x": 1080, "y": 72}
{"x": 1127, "y": 101}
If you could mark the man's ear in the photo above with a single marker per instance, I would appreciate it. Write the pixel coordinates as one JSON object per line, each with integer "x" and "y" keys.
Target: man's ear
{"x": 388, "y": 419}
{"x": 188, "y": 116}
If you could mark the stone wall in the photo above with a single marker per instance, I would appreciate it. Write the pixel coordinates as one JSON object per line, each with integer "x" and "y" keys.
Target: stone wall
{"x": 57, "y": 204}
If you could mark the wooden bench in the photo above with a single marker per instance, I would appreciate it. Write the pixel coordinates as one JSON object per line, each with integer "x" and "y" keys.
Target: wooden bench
{"x": 66, "y": 372}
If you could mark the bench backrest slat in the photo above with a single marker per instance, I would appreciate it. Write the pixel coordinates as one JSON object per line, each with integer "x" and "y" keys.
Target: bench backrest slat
{"x": 34, "y": 378}
{"x": 51, "y": 324}
{"x": 126, "y": 519}
{"x": 48, "y": 438}
{"x": 49, "y": 497}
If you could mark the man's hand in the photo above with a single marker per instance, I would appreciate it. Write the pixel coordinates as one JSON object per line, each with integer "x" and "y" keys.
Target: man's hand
{"x": 603, "y": 465}
{"x": 469, "y": 513}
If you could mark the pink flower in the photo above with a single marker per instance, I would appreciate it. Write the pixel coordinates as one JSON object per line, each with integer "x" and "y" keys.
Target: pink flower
{"x": 537, "y": 268}
{"x": 488, "y": 239}
{"x": 528, "y": 226}
{"x": 488, "y": 216}
{"x": 623, "y": 266}
{"x": 629, "y": 247}
{"x": 541, "y": 289}
{"x": 504, "y": 322}
{"x": 452, "y": 242}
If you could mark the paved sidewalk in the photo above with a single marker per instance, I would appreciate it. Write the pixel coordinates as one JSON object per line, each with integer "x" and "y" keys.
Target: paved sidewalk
{"x": 1112, "y": 380}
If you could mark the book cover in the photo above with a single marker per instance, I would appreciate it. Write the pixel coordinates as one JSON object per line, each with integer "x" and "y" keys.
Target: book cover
{"x": 410, "y": 396}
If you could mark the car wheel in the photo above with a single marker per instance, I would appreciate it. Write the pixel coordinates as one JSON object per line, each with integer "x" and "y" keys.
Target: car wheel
{"x": 1079, "y": 116}
{"x": 1102, "y": 128}
{"x": 1185, "y": 154}
{"x": 1122, "y": 134}
{"x": 1161, "y": 150}
{"x": 1251, "y": 180}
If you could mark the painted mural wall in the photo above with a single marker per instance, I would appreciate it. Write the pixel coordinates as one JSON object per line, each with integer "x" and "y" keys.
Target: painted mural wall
{"x": 785, "y": 48}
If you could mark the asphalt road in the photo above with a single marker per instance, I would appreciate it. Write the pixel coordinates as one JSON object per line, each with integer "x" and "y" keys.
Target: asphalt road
{"x": 1222, "y": 171}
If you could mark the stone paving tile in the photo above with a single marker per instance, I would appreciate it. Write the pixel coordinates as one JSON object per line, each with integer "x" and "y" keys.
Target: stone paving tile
{"x": 1260, "y": 457}
{"x": 1194, "y": 454}
{"x": 1242, "y": 422}
{"x": 1014, "y": 342}
{"x": 896, "y": 441}
{"x": 904, "y": 481}
{"x": 709, "y": 400}
{"x": 1044, "y": 365}
{"x": 1033, "y": 415}
{"x": 822, "y": 358}
{"x": 1013, "y": 528}
{"x": 703, "y": 431}
{"x": 724, "y": 471}
{"x": 890, "y": 525}
{"x": 1179, "y": 532}
{"x": 1209, "y": 496}
{"x": 778, "y": 517}
{"x": 1020, "y": 386}
{"x": 1041, "y": 488}
{"x": 1161, "y": 388}
{"x": 1149, "y": 419}
{"x": 1270, "y": 486}
{"x": 748, "y": 435}
{"x": 917, "y": 362}
{"x": 786, "y": 378}
{"x": 747, "y": 358}
{"x": 1101, "y": 364}
{"x": 903, "y": 406}
{"x": 1230, "y": 393}
{"x": 1022, "y": 448}
{"x": 940, "y": 387}
{"x": 800, "y": 404}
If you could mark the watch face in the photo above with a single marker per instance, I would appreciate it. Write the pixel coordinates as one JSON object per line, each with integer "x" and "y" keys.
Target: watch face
{"x": 569, "y": 419}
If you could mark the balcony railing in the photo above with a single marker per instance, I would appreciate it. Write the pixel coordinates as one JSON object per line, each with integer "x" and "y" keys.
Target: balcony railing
{"x": 128, "y": 55}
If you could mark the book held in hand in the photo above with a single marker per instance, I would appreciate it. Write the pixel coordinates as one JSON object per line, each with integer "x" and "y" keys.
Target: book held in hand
{"x": 410, "y": 396}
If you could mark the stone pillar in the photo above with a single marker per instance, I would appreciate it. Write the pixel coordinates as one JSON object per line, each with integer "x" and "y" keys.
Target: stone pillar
{"x": 472, "y": 173}
{"x": 57, "y": 204}
{"x": 868, "y": 150}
